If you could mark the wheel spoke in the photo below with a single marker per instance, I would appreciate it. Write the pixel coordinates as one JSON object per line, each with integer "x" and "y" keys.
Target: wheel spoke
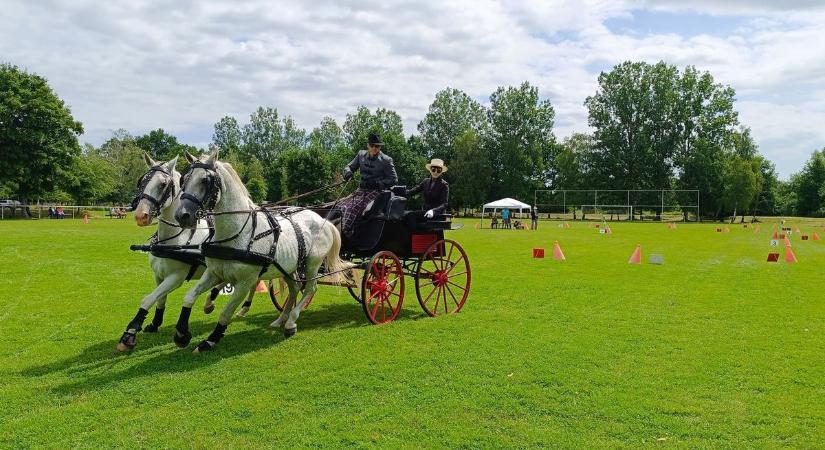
{"x": 451, "y": 295}
{"x": 457, "y": 274}
{"x": 446, "y": 306}
{"x": 455, "y": 264}
{"x": 437, "y": 299}
{"x": 462, "y": 288}
{"x": 452, "y": 247}
{"x": 431, "y": 294}
{"x": 374, "y": 311}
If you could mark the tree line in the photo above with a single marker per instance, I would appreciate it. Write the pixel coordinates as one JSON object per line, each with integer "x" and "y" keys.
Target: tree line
{"x": 654, "y": 127}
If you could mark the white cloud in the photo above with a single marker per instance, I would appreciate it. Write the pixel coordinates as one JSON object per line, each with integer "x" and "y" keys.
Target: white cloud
{"x": 181, "y": 66}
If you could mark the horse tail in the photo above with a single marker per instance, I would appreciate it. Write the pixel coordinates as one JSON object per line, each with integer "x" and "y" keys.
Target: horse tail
{"x": 335, "y": 265}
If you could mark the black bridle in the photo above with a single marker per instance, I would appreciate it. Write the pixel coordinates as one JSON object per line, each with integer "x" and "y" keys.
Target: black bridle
{"x": 213, "y": 189}
{"x": 157, "y": 203}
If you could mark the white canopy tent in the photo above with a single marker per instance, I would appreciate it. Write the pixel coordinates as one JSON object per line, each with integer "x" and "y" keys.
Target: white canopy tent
{"x": 508, "y": 203}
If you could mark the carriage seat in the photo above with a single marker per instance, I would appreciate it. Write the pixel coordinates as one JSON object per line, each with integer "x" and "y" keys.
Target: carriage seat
{"x": 386, "y": 206}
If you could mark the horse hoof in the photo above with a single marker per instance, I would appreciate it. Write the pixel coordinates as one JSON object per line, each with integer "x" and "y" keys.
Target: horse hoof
{"x": 182, "y": 340}
{"x": 151, "y": 328}
{"x": 289, "y": 332}
{"x": 242, "y": 312}
{"x": 127, "y": 342}
{"x": 121, "y": 347}
{"x": 209, "y": 308}
{"x": 204, "y": 346}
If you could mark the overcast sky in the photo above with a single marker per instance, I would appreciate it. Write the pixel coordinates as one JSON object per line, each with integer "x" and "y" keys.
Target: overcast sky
{"x": 182, "y": 65}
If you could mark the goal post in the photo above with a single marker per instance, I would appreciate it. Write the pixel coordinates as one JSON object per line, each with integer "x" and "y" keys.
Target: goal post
{"x": 620, "y": 204}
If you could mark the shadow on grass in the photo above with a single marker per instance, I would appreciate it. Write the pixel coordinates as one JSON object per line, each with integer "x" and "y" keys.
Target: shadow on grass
{"x": 99, "y": 364}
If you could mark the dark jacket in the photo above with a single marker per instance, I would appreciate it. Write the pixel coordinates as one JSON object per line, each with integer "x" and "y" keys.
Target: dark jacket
{"x": 436, "y": 193}
{"x": 377, "y": 172}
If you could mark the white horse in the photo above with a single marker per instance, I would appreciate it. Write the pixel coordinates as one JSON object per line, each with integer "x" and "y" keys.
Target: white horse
{"x": 156, "y": 197}
{"x": 214, "y": 187}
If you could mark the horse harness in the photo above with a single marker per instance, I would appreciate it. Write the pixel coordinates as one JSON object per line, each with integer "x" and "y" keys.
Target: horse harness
{"x": 140, "y": 192}
{"x": 213, "y": 249}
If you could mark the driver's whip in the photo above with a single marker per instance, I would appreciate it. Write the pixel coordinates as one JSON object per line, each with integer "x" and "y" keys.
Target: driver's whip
{"x": 305, "y": 194}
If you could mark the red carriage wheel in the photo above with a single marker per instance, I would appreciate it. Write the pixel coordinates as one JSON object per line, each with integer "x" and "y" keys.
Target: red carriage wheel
{"x": 442, "y": 278}
{"x": 275, "y": 292}
{"x": 382, "y": 288}
{"x": 352, "y": 284}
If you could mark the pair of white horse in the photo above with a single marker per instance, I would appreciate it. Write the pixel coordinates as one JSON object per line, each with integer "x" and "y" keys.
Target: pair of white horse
{"x": 213, "y": 187}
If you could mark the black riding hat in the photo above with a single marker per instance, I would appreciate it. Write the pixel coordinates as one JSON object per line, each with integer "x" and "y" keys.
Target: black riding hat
{"x": 374, "y": 139}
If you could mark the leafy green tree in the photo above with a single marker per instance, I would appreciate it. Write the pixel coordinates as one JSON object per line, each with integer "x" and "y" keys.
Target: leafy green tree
{"x": 521, "y": 135}
{"x": 742, "y": 182}
{"x": 451, "y": 113}
{"x": 162, "y": 146}
{"x": 808, "y": 185}
{"x": 328, "y": 136}
{"x": 471, "y": 171}
{"x": 570, "y": 163}
{"x": 632, "y": 113}
{"x": 90, "y": 178}
{"x": 255, "y": 181}
{"x": 38, "y": 134}
{"x": 227, "y": 136}
{"x": 303, "y": 170}
{"x": 126, "y": 157}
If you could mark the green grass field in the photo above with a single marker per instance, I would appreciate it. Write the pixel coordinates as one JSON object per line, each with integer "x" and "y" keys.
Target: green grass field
{"x": 715, "y": 348}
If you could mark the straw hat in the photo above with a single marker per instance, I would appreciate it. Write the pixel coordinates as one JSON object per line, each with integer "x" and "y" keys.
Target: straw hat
{"x": 437, "y": 163}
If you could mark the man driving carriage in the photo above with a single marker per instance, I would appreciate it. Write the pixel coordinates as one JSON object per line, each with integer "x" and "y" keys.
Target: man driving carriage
{"x": 377, "y": 173}
{"x": 435, "y": 191}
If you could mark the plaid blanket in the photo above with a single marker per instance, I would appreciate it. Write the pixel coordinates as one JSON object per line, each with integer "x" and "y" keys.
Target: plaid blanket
{"x": 353, "y": 206}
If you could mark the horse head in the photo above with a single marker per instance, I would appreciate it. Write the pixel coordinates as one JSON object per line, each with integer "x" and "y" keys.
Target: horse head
{"x": 155, "y": 190}
{"x": 200, "y": 190}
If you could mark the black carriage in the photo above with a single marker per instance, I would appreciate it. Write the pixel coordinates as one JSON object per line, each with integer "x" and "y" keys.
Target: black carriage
{"x": 390, "y": 243}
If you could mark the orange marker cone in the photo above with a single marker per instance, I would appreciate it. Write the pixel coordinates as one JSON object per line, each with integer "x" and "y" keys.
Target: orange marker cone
{"x": 566, "y": 225}
{"x": 797, "y": 230}
{"x": 477, "y": 226}
{"x": 786, "y": 241}
{"x": 776, "y": 235}
{"x": 85, "y": 218}
{"x": 636, "y": 257}
{"x": 727, "y": 230}
{"x": 789, "y": 256}
{"x": 261, "y": 287}
{"x": 814, "y": 237}
{"x": 558, "y": 255}
{"x": 757, "y": 229}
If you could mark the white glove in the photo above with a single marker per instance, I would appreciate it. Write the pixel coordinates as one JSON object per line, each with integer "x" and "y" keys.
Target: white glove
{"x": 429, "y": 214}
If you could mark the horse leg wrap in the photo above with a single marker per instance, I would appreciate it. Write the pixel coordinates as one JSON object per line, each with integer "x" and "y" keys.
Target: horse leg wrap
{"x": 136, "y": 323}
{"x": 212, "y": 339}
{"x": 128, "y": 337}
{"x": 182, "y": 334}
{"x": 157, "y": 321}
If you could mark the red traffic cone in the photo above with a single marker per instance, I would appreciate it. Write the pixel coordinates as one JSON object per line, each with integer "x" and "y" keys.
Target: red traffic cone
{"x": 261, "y": 287}
{"x": 85, "y": 218}
{"x": 636, "y": 257}
{"x": 558, "y": 255}
{"x": 786, "y": 241}
{"x": 776, "y": 235}
{"x": 789, "y": 256}
{"x": 814, "y": 237}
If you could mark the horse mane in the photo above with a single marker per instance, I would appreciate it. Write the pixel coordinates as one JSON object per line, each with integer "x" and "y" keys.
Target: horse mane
{"x": 234, "y": 175}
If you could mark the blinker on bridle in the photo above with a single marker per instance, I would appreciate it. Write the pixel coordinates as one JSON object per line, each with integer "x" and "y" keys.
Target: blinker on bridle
{"x": 213, "y": 188}
{"x": 157, "y": 203}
